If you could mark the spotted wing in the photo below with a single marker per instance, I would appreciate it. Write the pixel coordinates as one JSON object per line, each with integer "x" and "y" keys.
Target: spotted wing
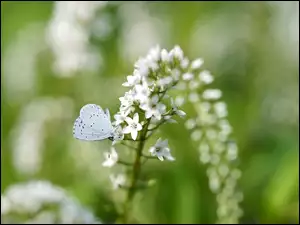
{"x": 92, "y": 124}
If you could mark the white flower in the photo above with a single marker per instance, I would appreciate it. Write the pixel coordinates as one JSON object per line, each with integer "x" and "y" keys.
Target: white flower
{"x": 142, "y": 66}
{"x": 194, "y": 84}
{"x": 154, "y": 53}
{"x": 133, "y": 126}
{"x": 177, "y": 52}
{"x": 118, "y": 135}
{"x": 193, "y": 97}
{"x": 196, "y": 135}
{"x": 187, "y": 76}
{"x": 111, "y": 158}
{"x": 184, "y": 63}
{"x": 141, "y": 92}
{"x": 152, "y": 63}
{"x": 190, "y": 124}
{"x": 175, "y": 73}
{"x": 126, "y": 102}
{"x": 119, "y": 118}
{"x": 153, "y": 108}
{"x": 196, "y": 64}
{"x": 176, "y": 110}
{"x": 212, "y": 94}
{"x": 179, "y": 100}
{"x": 133, "y": 79}
{"x": 206, "y": 77}
{"x": 165, "y": 55}
{"x": 181, "y": 86}
{"x": 221, "y": 109}
{"x": 164, "y": 82}
{"x": 156, "y": 111}
{"x": 161, "y": 150}
{"x": 117, "y": 181}
{"x": 205, "y": 157}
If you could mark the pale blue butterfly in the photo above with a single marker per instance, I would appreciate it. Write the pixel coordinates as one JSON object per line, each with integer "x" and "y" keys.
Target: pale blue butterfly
{"x": 93, "y": 124}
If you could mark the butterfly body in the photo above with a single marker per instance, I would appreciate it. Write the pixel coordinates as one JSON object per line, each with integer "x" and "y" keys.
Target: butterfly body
{"x": 93, "y": 124}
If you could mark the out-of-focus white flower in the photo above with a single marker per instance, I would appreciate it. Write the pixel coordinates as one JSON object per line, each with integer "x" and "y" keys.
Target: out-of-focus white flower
{"x": 184, "y": 63}
{"x": 175, "y": 73}
{"x": 176, "y": 110}
{"x": 194, "y": 97}
{"x": 196, "y": 135}
{"x": 187, "y": 76}
{"x": 161, "y": 150}
{"x": 111, "y": 158}
{"x": 206, "y": 77}
{"x": 220, "y": 109}
{"x": 133, "y": 126}
{"x": 35, "y": 197}
{"x": 179, "y": 100}
{"x": 196, "y": 64}
{"x": 212, "y": 94}
{"x": 205, "y": 157}
{"x": 117, "y": 180}
{"x": 190, "y": 124}
{"x": 232, "y": 151}
{"x": 68, "y": 33}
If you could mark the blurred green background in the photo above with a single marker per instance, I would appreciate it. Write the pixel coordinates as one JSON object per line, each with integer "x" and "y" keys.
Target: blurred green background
{"x": 252, "y": 48}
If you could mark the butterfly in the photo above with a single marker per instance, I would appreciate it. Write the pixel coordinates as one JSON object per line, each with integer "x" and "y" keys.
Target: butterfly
{"x": 93, "y": 124}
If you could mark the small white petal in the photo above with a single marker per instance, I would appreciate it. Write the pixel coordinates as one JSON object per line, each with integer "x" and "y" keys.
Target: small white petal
{"x": 180, "y": 113}
{"x": 161, "y": 158}
{"x": 127, "y": 130}
{"x": 136, "y": 118}
{"x": 128, "y": 120}
{"x": 134, "y": 134}
{"x": 139, "y": 127}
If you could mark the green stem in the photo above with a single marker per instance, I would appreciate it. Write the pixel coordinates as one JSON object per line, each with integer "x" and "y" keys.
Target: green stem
{"x": 135, "y": 173}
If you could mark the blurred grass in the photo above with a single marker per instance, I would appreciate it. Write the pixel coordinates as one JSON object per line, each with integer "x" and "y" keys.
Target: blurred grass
{"x": 247, "y": 71}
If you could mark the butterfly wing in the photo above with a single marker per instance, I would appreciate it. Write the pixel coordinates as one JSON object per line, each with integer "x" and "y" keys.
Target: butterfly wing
{"x": 92, "y": 124}
{"x": 106, "y": 111}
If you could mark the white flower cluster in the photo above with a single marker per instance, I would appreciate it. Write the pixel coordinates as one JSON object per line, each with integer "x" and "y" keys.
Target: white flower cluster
{"x": 143, "y": 108}
{"x": 68, "y": 36}
{"x": 41, "y": 202}
{"x": 147, "y": 105}
{"x": 212, "y": 130}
